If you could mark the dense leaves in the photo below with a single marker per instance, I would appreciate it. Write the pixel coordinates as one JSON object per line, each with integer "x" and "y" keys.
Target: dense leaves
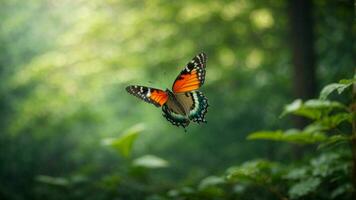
{"x": 326, "y": 176}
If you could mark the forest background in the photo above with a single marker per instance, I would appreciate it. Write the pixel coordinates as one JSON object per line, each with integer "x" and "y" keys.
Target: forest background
{"x": 69, "y": 130}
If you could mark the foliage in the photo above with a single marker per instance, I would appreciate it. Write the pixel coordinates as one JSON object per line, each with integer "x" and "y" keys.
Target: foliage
{"x": 304, "y": 187}
{"x": 328, "y": 116}
{"x": 326, "y": 175}
{"x": 339, "y": 87}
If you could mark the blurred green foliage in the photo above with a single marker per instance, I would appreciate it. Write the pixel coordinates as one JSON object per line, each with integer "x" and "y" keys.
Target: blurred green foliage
{"x": 324, "y": 175}
{"x": 67, "y": 126}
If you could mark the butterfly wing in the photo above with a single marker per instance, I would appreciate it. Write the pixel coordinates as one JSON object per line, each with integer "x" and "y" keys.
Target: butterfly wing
{"x": 188, "y": 106}
{"x": 192, "y": 76}
{"x": 176, "y": 112}
{"x": 188, "y": 103}
{"x": 194, "y": 104}
{"x": 199, "y": 108}
{"x": 174, "y": 117}
{"x": 154, "y": 96}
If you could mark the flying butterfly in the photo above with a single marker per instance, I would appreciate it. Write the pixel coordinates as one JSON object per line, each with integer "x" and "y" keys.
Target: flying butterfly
{"x": 184, "y": 103}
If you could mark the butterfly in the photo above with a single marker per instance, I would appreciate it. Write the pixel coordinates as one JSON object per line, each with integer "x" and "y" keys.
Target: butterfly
{"x": 184, "y": 103}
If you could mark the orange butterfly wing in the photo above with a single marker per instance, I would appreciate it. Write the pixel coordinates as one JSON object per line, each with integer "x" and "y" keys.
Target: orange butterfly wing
{"x": 159, "y": 96}
{"x": 154, "y": 96}
{"x": 192, "y": 76}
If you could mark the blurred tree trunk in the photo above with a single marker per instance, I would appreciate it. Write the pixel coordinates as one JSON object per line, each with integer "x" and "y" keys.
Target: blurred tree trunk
{"x": 302, "y": 41}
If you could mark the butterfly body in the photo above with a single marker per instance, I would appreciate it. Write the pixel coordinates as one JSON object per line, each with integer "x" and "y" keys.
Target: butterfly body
{"x": 181, "y": 108}
{"x": 184, "y": 103}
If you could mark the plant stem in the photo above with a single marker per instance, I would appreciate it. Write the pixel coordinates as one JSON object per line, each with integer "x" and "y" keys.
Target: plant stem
{"x": 353, "y": 138}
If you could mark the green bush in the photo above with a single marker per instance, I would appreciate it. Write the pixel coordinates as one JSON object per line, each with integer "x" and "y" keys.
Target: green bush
{"x": 325, "y": 175}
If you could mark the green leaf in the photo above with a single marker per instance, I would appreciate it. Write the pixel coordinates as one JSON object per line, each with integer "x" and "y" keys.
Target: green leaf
{"x": 256, "y": 170}
{"x": 303, "y": 187}
{"x": 322, "y": 104}
{"x": 313, "y": 109}
{"x": 340, "y": 117}
{"x": 327, "y": 90}
{"x": 327, "y": 164}
{"x": 329, "y": 122}
{"x": 150, "y": 161}
{"x": 292, "y": 107}
{"x": 297, "y": 173}
{"x": 266, "y": 135}
{"x": 345, "y": 188}
{"x": 297, "y": 107}
{"x": 335, "y": 140}
{"x": 57, "y": 181}
{"x": 124, "y": 143}
{"x": 348, "y": 81}
{"x": 335, "y": 120}
{"x": 315, "y": 127}
{"x": 182, "y": 192}
{"x": 211, "y": 181}
{"x": 292, "y": 135}
{"x": 340, "y": 87}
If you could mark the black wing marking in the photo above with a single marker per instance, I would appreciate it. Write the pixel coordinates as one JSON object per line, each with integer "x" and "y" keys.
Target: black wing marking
{"x": 192, "y": 76}
{"x": 154, "y": 96}
{"x": 199, "y": 108}
{"x": 175, "y": 118}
